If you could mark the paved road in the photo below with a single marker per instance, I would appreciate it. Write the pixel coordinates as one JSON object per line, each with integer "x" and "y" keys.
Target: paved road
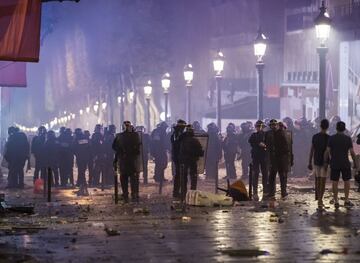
{"x": 153, "y": 231}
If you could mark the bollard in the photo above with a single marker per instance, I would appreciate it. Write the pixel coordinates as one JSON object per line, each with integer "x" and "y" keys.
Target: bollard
{"x": 49, "y": 182}
{"x": 250, "y": 180}
{"x": 116, "y": 183}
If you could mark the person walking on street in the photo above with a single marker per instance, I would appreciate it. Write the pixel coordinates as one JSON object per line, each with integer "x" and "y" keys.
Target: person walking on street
{"x": 338, "y": 149}
{"x": 318, "y": 148}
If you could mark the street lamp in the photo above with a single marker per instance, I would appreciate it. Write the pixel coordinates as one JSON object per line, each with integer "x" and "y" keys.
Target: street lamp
{"x": 188, "y": 76}
{"x": 132, "y": 101}
{"x": 147, "y": 92}
{"x": 322, "y": 27}
{"x": 103, "y": 105}
{"x": 260, "y": 45}
{"x": 96, "y": 107}
{"x": 81, "y": 112}
{"x": 165, "y": 83}
{"x": 218, "y": 64}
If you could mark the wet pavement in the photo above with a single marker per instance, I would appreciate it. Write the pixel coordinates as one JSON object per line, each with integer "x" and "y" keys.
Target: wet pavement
{"x": 94, "y": 229}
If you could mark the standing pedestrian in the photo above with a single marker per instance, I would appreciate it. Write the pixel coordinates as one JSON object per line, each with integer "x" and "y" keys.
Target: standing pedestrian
{"x": 317, "y": 152}
{"x": 338, "y": 149}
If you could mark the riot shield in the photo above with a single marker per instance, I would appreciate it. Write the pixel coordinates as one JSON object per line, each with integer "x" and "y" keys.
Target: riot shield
{"x": 203, "y": 138}
{"x": 140, "y": 159}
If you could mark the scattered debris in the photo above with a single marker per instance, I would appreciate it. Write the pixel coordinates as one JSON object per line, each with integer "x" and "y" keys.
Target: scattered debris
{"x": 144, "y": 211}
{"x": 111, "y": 232}
{"x": 186, "y": 218}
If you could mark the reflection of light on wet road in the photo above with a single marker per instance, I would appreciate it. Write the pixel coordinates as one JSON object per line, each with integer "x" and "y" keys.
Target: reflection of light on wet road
{"x": 221, "y": 230}
{"x": 26, "y": 240}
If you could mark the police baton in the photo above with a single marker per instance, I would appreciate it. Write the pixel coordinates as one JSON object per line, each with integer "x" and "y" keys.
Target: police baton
{"x": 116, "y": 185}
{"x": 250, "y": 180}
{"x": 49, "y": 181}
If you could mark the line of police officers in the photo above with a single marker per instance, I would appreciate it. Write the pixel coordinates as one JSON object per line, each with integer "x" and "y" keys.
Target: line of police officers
{"x": 268, "y": 149}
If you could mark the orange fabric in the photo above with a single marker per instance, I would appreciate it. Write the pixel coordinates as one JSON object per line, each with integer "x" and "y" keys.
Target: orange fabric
{"x": 20, "y": 30}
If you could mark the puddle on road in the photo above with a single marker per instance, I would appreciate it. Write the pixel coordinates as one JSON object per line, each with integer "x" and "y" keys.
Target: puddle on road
{"x": 248, "y": 253}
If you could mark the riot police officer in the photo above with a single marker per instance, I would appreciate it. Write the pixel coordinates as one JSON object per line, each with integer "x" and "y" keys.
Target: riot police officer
{"x": 214, "y": 152}
{"x": 109, "y": 153}
{"x": 159, "y": 151}
{"x": 258, "y": 154}
{"x": 127, "y": 148}
{"x": 175, "y": 139}
{"x": 279, "y": 150}
{"x": 245, "y": 147}
{"x": 52, "y": 156}
{"x": 230, "y": 148}
{"x": 190, "y": 152}
{"x": 66, "y": 158}
{"x": 145, "y": 140}
{"x": 97, "y": 141}
{"x": 37, "y": 149}
{"x": 16, "y": 153}
{"x": 81, "y": 148}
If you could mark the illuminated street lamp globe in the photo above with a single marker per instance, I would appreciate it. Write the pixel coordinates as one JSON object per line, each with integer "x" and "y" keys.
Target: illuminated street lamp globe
{"x": 218, "y": 64}
{"x": 188, "y": 74}
{"x": 260, "y": 45}
{"x": 165, "y": 82}
{"x": 148, "y": 90}
{"x": 103, "y": 105}
{"x": 131, "y": 96}
{"x": 323, "y": 25}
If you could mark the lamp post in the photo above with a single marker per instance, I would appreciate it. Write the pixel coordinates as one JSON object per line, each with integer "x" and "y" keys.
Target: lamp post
{"x": 188, "y": 76}
{"x": 218, "y": 64}
{"x": 259, "y": 51}
{"x": 165, "y": 83}
{"x": 132, "y": 101}
{"x": 147, "y": 92}
{"x": 322, "y": 27}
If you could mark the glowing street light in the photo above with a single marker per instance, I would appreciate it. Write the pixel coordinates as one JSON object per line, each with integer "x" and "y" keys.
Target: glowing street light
{"x": 323, "y": 24}
{"x": 260, "y": 45}
{"x": 218, "y": 63}
{"x": 147, "y": 92}
{"x": 322, "y": 27}
{"x": 165, "y": 83}
{"x": 96, "y": 107}
{"x": 87, "y": 109}
{"x": 103, "y": 105}
{"x": 188, "y": 77}
{"x": 81, "y": 112}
